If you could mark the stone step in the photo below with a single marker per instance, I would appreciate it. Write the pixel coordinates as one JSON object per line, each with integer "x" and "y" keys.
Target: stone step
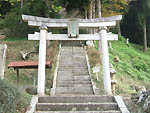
{"x": 79, "y": 78}
{"x": 70, "y": 55}
{"x": 74, "y": 82}
{"x": 79, "y": 62}
{"x": 81, "y": 73}
{"x": 63, "y": 56}
{"x": 79, "y": 51}
{"x": 70, "y": 68}
{"x": 73, "y": 78}
{"x": 114, "y": 111}
{"x": 76, "y": 99}
{"x": 73, "y": 85}
{"x": 79, "y": 65}
{"x": 63, "y": 77}
{"x": 61, "y": 59}
{"x": 74, "y": 90}
{"x": 78, "y": 74}
{"x": 78, "y": 70}
{"x": 76, "y": 106}
{"x": 78, "y": 48}
{"x": 63, "y": 64}
{"x": 73, "y": 64}
{"x": 65, "y": 73}
{"x": 79, "y": 58}
{"x": 71, "y": 43}
{"x": 65, "y": 69}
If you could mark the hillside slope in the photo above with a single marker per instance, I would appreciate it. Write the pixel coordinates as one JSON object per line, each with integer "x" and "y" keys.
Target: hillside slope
{"x": 132, "y": 66}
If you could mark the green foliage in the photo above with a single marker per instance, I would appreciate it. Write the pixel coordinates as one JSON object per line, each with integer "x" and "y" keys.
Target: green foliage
{"x": 11, "y": 101}
{"x": 114, "y": 7}
{"x": 13, "y": 26}
{"x": 14, "y": 39}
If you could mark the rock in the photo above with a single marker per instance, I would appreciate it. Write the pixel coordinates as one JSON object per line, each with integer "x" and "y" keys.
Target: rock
{"x": 138, "y": 88}
{"x": 121, "y": 79}
{"x": 146, "y": 105}
{"x": 116, "y": 59}
{"x": 90, "y": 43}
{"x": 110, "y": 46}
{"x": 32, "y": 90}
{"x": 112, "y": 71}
{"x": 2, "y": 37}
{"x": 110, "y": 65}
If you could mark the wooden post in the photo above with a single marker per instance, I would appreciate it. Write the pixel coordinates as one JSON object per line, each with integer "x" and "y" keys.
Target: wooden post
{"x": 3, "y": 48}
{"x": 113, "y": 81}
{"x": 100, "y": 47}
{"x": 105, "y": 61}
{"x": 42, "y": 58}
{"x": 17, "y": 70}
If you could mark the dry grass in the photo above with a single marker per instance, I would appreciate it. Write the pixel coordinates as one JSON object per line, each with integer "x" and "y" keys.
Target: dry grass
{"x": 27, "y": 75}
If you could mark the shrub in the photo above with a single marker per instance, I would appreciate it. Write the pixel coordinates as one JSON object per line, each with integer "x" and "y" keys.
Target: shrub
{"x": 11, "y": 101}
{"x": 94, "y": 56}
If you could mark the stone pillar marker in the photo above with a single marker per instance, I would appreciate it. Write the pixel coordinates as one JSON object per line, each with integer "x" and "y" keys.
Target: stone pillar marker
{"x": 42, "y": 60}
{"x": 3, "y": 48}
{"x": 105, "y": 61}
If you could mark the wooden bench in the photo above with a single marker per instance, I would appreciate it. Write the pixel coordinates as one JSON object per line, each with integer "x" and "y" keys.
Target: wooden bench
{"x": 26, "y": 65}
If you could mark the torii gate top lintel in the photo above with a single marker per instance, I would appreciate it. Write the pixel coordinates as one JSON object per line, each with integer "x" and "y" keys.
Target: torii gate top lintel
{"x": 62, "y": 23}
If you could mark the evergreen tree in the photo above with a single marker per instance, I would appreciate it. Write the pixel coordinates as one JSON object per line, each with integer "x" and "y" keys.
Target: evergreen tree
{"x": 143, "y": 12}
{"x": 134, "y": 25}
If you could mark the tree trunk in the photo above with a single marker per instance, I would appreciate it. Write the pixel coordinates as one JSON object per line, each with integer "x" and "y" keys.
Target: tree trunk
{"x": 99, "y": 16}
{"x": 90, "y": 13}
{"x": 145, "y": 40}
{"x": 48, "y": 2}
{"x": 118, "y": 28}
{"x": 93, "y": 8}
{"x": 93, "y": 13}
{"x": 22, "y": 3}
{"x": 86, "y": 14}
{"x": 99, "y": 8}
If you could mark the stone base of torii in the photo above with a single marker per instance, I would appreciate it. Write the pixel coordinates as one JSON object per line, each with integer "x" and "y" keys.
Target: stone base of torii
{"x": 103, "y": 36}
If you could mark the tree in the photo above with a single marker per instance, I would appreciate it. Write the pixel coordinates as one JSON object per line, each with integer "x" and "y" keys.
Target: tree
{"x": 99, "y": 8}
{"x": 143, "y": 12}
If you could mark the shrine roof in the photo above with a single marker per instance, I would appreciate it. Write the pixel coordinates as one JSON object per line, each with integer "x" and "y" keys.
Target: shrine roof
{"x": 27, "y": 64}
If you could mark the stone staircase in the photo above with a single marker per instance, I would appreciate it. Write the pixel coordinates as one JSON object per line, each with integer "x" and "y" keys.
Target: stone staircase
{"x": 73, "y": 76}
{"x": 73, "y": 89}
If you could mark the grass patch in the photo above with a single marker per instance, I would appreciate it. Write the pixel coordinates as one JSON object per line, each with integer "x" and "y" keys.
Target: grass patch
{"x": 15, "y": 39}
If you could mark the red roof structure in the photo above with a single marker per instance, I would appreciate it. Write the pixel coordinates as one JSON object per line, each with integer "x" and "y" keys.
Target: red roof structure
{"x": 27, "y": 64}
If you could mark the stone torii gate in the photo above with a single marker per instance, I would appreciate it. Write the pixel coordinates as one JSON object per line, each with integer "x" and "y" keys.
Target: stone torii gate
{"x": 73, "y": 26}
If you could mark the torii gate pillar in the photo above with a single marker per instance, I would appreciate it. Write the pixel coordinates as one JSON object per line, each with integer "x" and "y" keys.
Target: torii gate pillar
{"x": 42, "y": 59}
{"x": 105, "y": 61}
